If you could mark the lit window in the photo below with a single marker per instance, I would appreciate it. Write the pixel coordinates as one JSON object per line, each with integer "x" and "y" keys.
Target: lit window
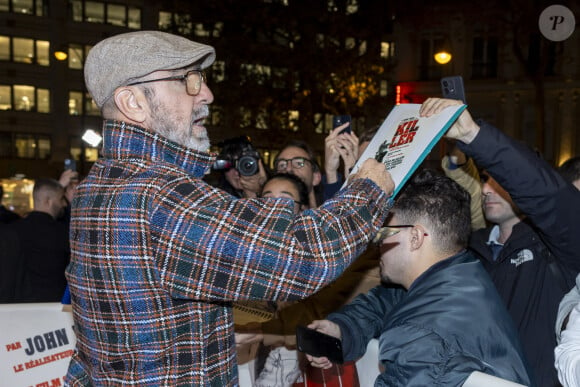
{"x": 23, "y": 50}
{"x": 39, "y": 8}
{"x": 331, "y": 6}
{"x": 75, "y": 56}
{"x": 387, "y": 50}
{"x": 87, "y": 49}
{"x": 75, "y": 152}
{"x": 218, "y": 71}
{"x": 319, "y": 40}
{"x": 164, "y": 20}
{"x": 328, "y": 118}
{"x": 77, "y": 10}
{"x": 75, "y": 103}
{"x": 91, "y": 154}
{"x": 134, "y": 18}
{"x": 43, "y": 148}
{"x": 5, "y": 100}
{"x": 262, "y": 119}
{"x": 25, "y": 146}
{"x": 319, "y": 123}
{"x": 384, "y": 90}
{"x": 4, "y": 48}
{"x": 351, "y": 7}
{"x": 23, "y": 6}
{"x": 200, "y": 30}
{"x": 30, "y": 146}
{"x": 293, "y": 117}
{"x": 43, "y": 52}
{"x": 24, "y": 97}
{"x": 116, "y": 15}
{"x": 217, "y": 29}
{"x": 75, "y": 147}
{"x": 43, "y": 100}
{"x": 91, "y": 108}
{"x": 362, "y": 48}
{"x": 257, "y": 73}
{"x": 216, "y": 115}
{"x": 94, "y": 12}
{"x": 182, "y": 22}
{"x": 349, "y": 43}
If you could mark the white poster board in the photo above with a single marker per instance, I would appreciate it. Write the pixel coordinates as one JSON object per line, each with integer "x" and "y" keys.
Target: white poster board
{"x": 36, "y": 343}
{"x": 404, "y": 140}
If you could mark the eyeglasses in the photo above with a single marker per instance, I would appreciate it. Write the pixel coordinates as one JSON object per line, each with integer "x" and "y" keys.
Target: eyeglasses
{"x": 389, "y": 231}
{"x": 296, "y": 162}
{"x": 192, "y": 79}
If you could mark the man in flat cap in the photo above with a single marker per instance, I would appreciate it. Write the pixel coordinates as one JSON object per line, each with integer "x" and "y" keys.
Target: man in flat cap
{"x": 158, "y": 255}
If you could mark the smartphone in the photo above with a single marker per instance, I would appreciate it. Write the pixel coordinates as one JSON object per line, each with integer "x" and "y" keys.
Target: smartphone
{"x": 319, "y": 344}
{"x": 452, "y": 87}
{"x": 339, "y": 120}
{"x": 70, "y": 164}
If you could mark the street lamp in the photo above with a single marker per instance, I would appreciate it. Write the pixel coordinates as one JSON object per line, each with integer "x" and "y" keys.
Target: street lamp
{"x": 442, "y": 57}
{"x": 60, "y": 55}
{"x": 443, "y": 50}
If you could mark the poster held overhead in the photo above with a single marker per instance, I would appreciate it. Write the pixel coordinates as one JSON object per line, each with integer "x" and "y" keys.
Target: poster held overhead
{"x": 404, "y": 140}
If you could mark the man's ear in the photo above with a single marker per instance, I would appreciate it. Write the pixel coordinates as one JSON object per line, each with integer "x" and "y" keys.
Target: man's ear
{"x": 132, "y": 103}
{"x": 417, "y": 236}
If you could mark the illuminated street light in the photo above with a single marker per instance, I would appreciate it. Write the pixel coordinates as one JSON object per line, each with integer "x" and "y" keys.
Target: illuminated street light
{"x": 442, "y": 57}
{"x": 92, "y": 138}
{"x": 60, "y": 55}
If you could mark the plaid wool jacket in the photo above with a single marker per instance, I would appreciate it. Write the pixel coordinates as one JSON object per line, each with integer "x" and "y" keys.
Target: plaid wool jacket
{"x": 158, "y": 255}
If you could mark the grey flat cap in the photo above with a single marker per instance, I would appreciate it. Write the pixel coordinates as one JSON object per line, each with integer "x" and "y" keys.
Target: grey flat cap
{"x": 117, "y": 60}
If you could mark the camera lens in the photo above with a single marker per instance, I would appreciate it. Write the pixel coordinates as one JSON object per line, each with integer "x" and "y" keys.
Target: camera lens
{"x": 247, "y": 165}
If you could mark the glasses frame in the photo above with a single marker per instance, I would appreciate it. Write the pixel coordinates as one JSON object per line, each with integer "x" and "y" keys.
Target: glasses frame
{"x": 291, "y": 163}
{"x": 182, "y": 78}
{"x": 389, "y": 231}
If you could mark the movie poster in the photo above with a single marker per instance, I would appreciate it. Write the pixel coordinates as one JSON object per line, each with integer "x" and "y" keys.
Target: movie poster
{"x": 405, "y": 139}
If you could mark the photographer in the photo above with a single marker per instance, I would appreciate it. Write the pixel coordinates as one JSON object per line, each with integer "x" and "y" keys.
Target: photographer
{"x": 243, "y": 172}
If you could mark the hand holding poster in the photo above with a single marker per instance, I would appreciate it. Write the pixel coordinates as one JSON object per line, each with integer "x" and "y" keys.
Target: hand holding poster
{"x": 404, "y": 139}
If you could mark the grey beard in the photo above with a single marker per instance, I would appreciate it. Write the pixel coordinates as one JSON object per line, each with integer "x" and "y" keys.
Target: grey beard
{"x": 169, "y": 129}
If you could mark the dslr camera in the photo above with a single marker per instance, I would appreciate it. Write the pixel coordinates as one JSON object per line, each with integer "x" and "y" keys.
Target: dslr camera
{"x": 248, "y": 163}
{"x": 240, "y": 155}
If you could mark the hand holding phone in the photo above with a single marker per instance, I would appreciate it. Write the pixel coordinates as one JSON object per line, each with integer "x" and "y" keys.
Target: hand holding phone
{"x": 339, "y": 120}
{"x": 70, "y": 164}
{"x": 319, "y": 344}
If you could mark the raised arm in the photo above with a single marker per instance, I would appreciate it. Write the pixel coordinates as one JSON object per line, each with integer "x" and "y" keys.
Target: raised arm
{"x": 258, "y": 248}
{"x": 551, "y": 204}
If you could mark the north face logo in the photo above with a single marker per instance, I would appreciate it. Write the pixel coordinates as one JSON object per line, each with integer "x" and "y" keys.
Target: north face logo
{"x": 523, "y": 256}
